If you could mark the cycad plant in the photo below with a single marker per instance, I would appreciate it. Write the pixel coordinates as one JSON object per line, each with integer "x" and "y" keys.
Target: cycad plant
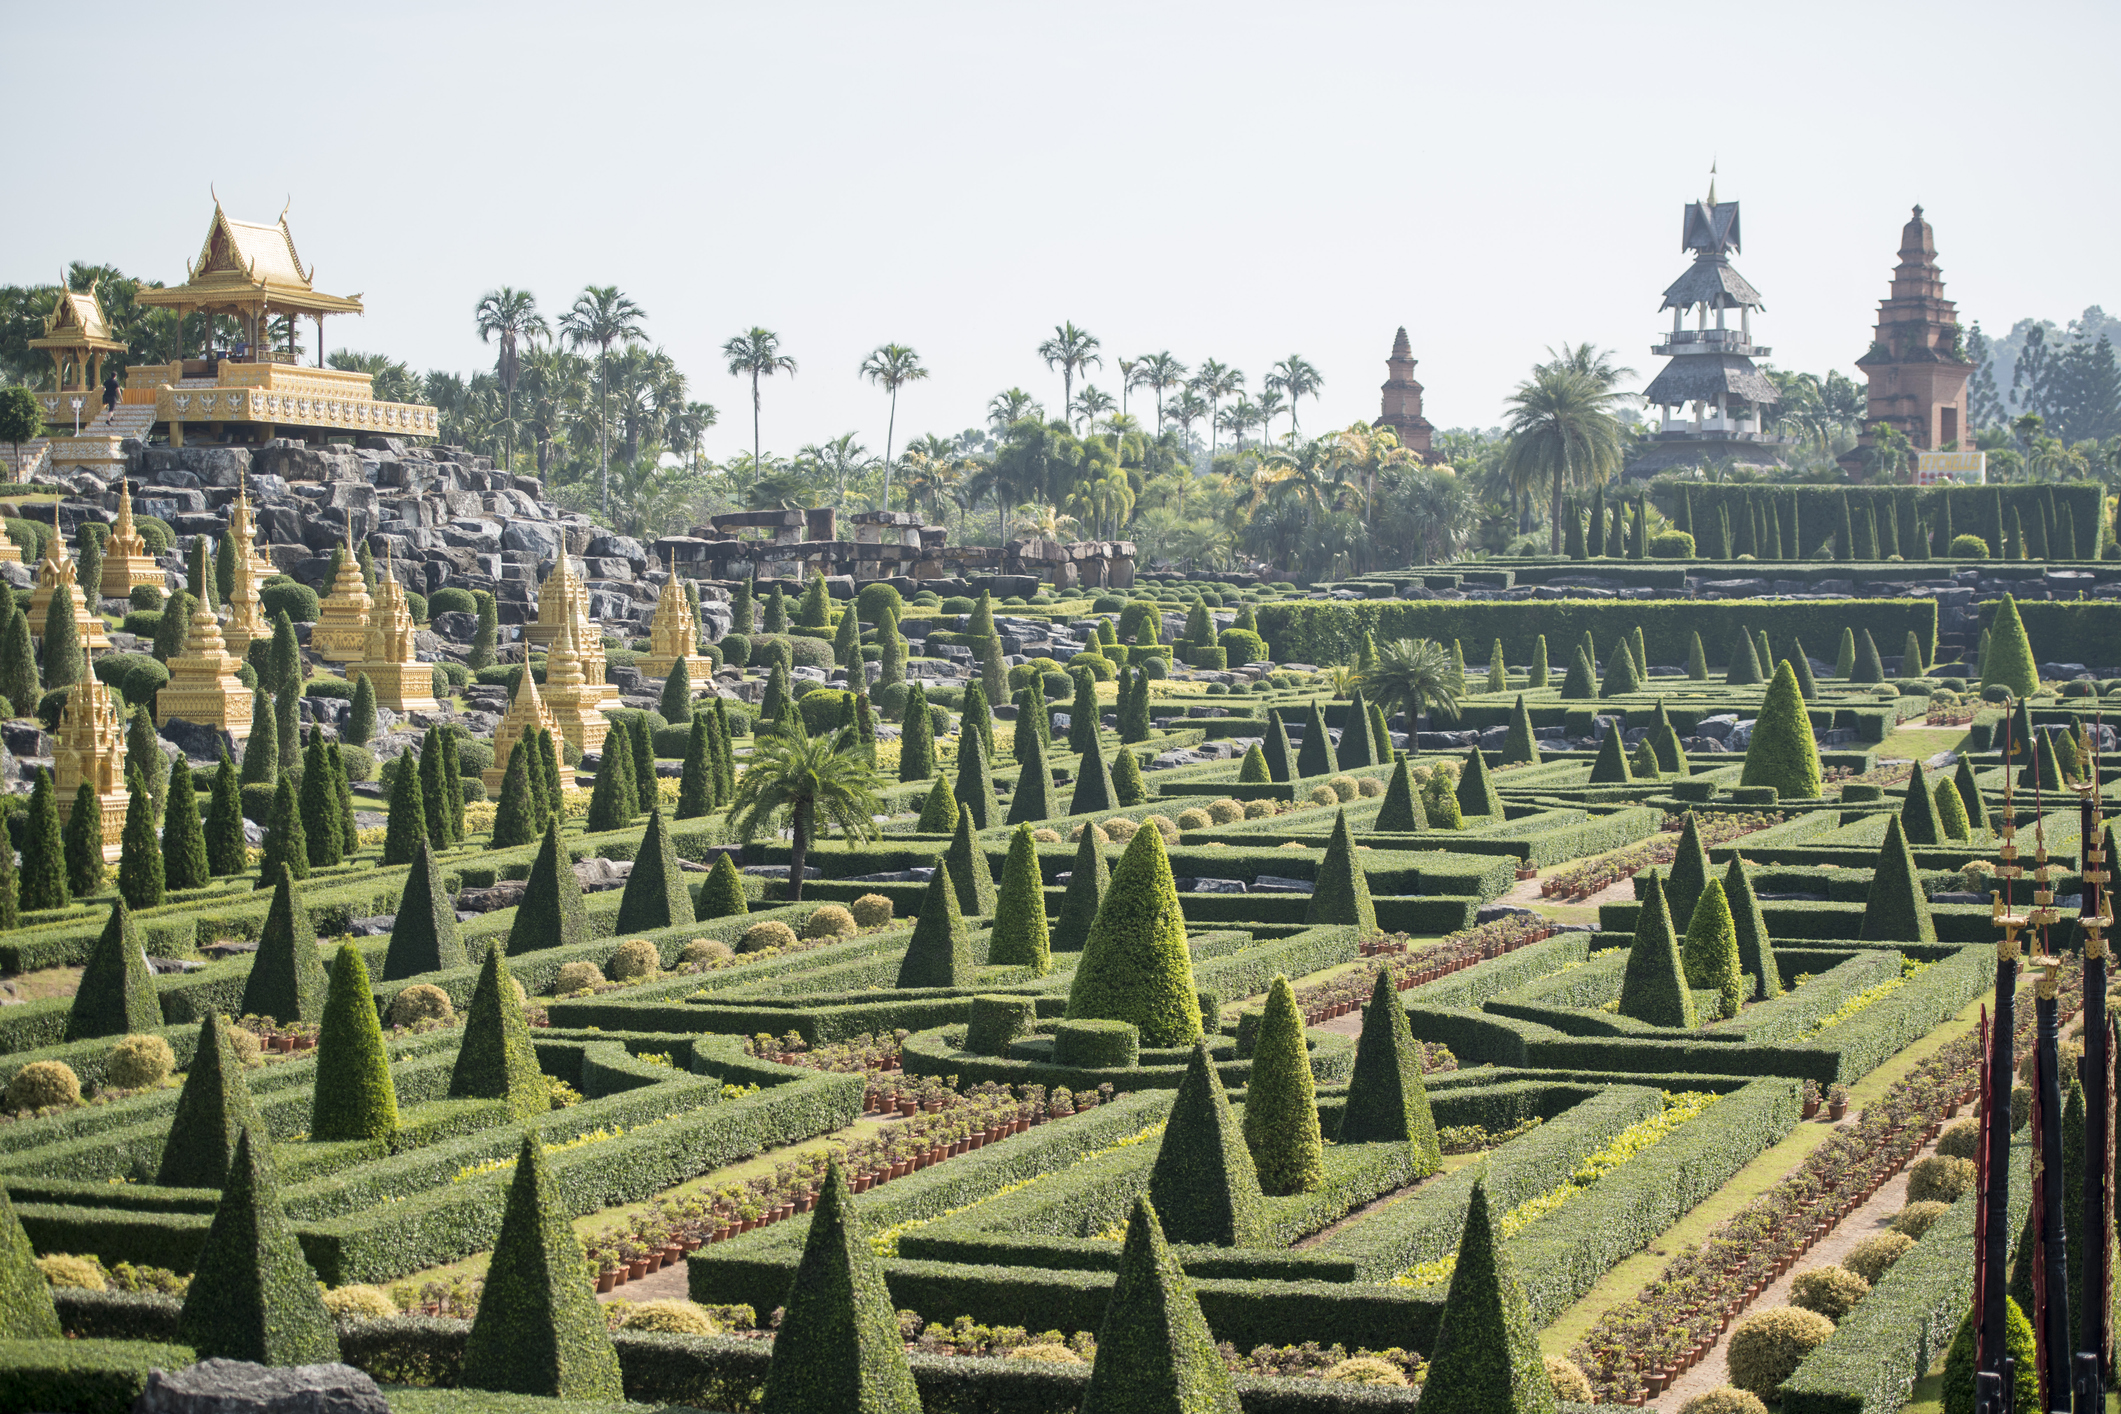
{"x": 1413, "y": 675}
{"x": 825, "y": 777}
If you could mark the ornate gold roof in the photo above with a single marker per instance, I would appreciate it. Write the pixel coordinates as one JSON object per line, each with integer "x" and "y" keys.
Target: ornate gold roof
{"x": 242, "y": 262}
{"x": 76, "y": 321}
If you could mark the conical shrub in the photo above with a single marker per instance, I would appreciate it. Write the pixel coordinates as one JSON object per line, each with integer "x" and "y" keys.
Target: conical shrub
{"x": 1203, "y": 1182}
{"x": 1281, "y": 1101}
{"x": 1781, "y": 752}
{"x": 1952, "y": 823}
{"x": 43, "y": 882}
{"x": 1400, "y": 811}
{"x": 656, "y": 896}
{"x": 1868, "y": 668}
{"x": 696, "y": 785}
{"x": 423, "y": 937}
{"x": 1622, "y": 678}
{"x": 1033, "y": 798}
{"x": 1711, "y": 952}
{"x": 839, "y": 1346}
{"x": 539, "y": 1329}
{"x": 916, "y": 751}
{"x": 287, "y": 980}
{"x": 2008, "y": 661}
{"x": 1582, "y": 683}
{"x": 1281, "y": 761}
{"x": 1756, "y": 951}
{"x": 975, "y": 784}
{"x": 1918, "y": 811}
{"x": 286, "y": 838}
{"x": 612, "y": 801}
{"x": 1355, "y": 748}
{"x": 1970, "y": 795}
{"x": 1610, "y": 767}
{"x": 213, "y": 1110}
{"x": 1653, "y": 989}
{"x": 406, "y": 824}
{"x": 26, "y": 1309}
{"x": 1020, "y": 935}
{"x": 253, "y": 1295}
{"x": 116, "y": 995}
{"x": 1476, "y": 788}
{"x": 940, "y": 952}
{"x": 518, "y": 817}
{"x": 1083, "y": 715}
{"x": 1664, "y": 740}
{"x": 1135, "y": 965}
{"x": 1387, "y": 1101}
{"x": 1093, "y": 783}
{"x": 1688, "y": 874}
{"x": 1898, "y": 910}
{"x": 1802, "y": 667}
{"x": 495, "y": 1060}
{"x": 1316, "y": 756}
{"x": 227, "y": 847}
{"x": 1084, "y": 896}
{"x": 968, "y": 866}
{"x": 551, "y": 914}
{"x": 1697, "y": 660}
{"x": 722, "y": 896}
{"x": 184, "y": 860}
{"x": 1487, "y": 1348}
{"x": 1520, "y": 746}
{"x": 1128, "y": 787}
{"x": 939, "y": 810}
{"x": 1745, "y": 661}
{"x": 1342, "y": 892}
{"x": 85, "y": 870}
{"x": 354, "y": 1097}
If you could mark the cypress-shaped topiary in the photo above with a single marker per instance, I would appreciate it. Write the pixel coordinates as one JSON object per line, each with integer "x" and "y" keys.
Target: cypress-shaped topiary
{"x": 1918, "y": 811}
{"x": 253, "y": 1296}
{"x": 1582, "y": 681}
{"x": 1083, "y": 713}
{"x": 1128, "y": 787}
{"x": 1281, "y": 761}
{"x": 1486, "y": 1358}
{"x": 284, "y": 836}
{"x": 1610, "y": 767}
{"x": 1281, "y": 1101}
{"x": 140, "y": 872}
{"x": 1498, "y": 669}
{"x": 612, "y": 803}
{"x": 1476, "y": 788}
{"x": 1781, "y": 752}
{"x": 1951, "y": 811}
{"x": 261, "y": 749}
{"x": 1252, "y": 770}
{"x": 968, "y": 865}
{"x": 1654, "y": 986}
{"x": 551, "y": 913}
{"x": 423, "y": 936}
{"x": 1621, "y": 676}
{"x": 1520, "y": 745}
{"x": 974, "y": 787}
{"x": 1085, "y": 894}
{"x": 360, "y": 726}
{"x": 116, "y": 995}
{"x": 10, "y": 892}
{"x": 1134, "y": 724}
{"x": 1135, "y": 965}
{"x": 85, "y": 871}
{"x": 60, "y": 656}
{"x": 19, "y": 679}
{"x": 549, "y": 759}
{"x": 1154, "y": 1350}
{"x": 1342, "y": 892}
{"x": 1970, "y": 795}
{"x": 1711, "y": 952}
{"x": 143, "y": 753}
{"x": 227, "y": 848}
{"x": 940, "y": 952}
{"x": 656, "y": 896}
{"x": 318, "y": 800}
{"x": 1744, "y": 669}
{"x": 1021, "y": 937}
{"x": 939, "y": 810}
{"x": 722, "y": 896}
{"x": 776, "y": 619}
{"x": 539, "y": 1329}
{"x": 696, "y": 786}
{"x": 2008, "y": 661}
{"x": 43, "y": 878}
{"x": 1756, "y": 951}
{"x": 1664, "y": 740}
{"x": 1697, "y": 659}
{"x": 643, "y": 777}
{"x": 184, "y": 859}
{"x": 1355, "y": 747}
{"x": 1316, "y": 757}
{"x": 1912, "y": 663}
{"x": 839, "y": 1346}
{"x": 436, "y": 753}
{"x": 354, "y": 1097}
{"x": 978, "y": 712}
{"x": 1867, "y": 668}
{"x": 1400, "y": 811}
{"x": 495, "y": 1060}
{"x": 916, "y": 752}
{"x": 1387, "y": 1100}
{"x": 287, "y": 980}
{"x": 213, "y": 1109}
{"x": 1093, "y": 783}
{"x": 516, "y": 817}
{"x": 1688, "y": 874}
{"x": 405, "y": 826}
{"x": 1203, "y": 1182}
{"x": 1807, "y": 686}
{"x": 676, "y": 703}
{"x": 1898, "y": 910}
{"x": 1033, "y": 799}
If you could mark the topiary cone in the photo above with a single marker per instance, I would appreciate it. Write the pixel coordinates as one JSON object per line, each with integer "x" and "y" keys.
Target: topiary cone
{"x": 1281, "y": 762}
{"x": 1476, "y": 790}
{"x": 1520, "y": 746}
{"x": 656, "y": 896}
{"x": 968, "y": 865}
{"x": 1135, "y": 965}
{"x": 1918, "y": 811}
{"x": 722, "y": 896}
{"x": 1032, "y": 800}
{"x": 495, "y": 1060}
{"x": 1281, "y": 1101}
{"x": 1400, "y": 811}
{"x": 1316, "y": 756}
{"x": 1689, "y": 872}
{"x": 1782, "y": 752}
{"x": 1084, "y": 896}
{"x": 975, "y": 785}
{"x": 2008, "y": 661}
{"x": 1387, "y": 1100}
{"x": 1621, "y": 675}
{"x": 1711, "y": 953}
{"x": 1582, "y": 682}
{"x": 1756, "y": 951}
{"x": 1020, "y": 935}
{"x": 1654, "y": 989}
{"x": 253, "y": 1295}
{"x": 940, "y": 953}
{"x": 1203, "y": 1182}
{"x": 551, "y": 913}
{"x": 116, "y": 995}
{"x": 1610, "y": 767}
{"x": 1898, "y": 910}
{"x": 213, "y": 1109}
{"x": 1342, "y": 892}
{"x": 1486, "y": 1354}
{"x": 354, "y": 1097}
{"x": 287, "y": 980}
{"x": 1093, "y": 782}
{"x": 1745, "y": 661}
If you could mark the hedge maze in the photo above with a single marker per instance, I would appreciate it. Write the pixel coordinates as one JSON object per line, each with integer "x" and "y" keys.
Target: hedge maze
{"x": 1495, "y": 1050}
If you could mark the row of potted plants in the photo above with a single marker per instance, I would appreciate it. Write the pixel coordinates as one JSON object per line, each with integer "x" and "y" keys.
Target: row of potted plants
{"x": 1349, "y": 991}
{"x": 869, "y": 1053}
{"x": 1637, "y": 1349}
{"x": 1581, "y": 881}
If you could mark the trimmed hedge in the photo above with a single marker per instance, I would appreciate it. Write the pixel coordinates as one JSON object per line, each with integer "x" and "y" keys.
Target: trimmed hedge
{"x": 81, "y": 1376}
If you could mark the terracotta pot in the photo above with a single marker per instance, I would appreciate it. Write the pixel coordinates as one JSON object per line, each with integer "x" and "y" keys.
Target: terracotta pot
{"x": 803, "y": 1203}
{"x": 1022, "y": 1125}
{"x": 861, "y": 1183}
{"x": 604, "y": 1281}
{"x": 1656, "y": 1384}
{"x": 637, "y": 1269}
{"x": 1811, "y": 1107}
{"x": 1951, "y": 1111}
{"x": 1836, "y": 1109}
{"x": 908, "y": 1107}
{"x": 653, "y": 1262}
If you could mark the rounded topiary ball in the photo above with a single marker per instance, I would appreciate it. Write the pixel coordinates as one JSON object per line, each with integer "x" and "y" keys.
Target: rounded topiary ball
{"x": 40, "y": 1085}
{"x": 1259, "y": 809}
{"x": 830, "y": 921}
{"x": 360, "y": 1303}
{"x": 872, "y": 911}
{"x": 1323, "y": 795}
{"x": 1052, "y": 1351}
{"x": 1961, "y": 1141}
{"x": 1046, "y": 836}
{"x": 1569, "y": 1381}
{"x": 701, "y": 950}
{"x": 1103, "y": 835}
{"x": 670, "y": 1318}
{"x": 1832, "y": 1291}
{"x": 1119, "y": 830}
{"x": 1344, "y": 788}
{"x": 634, "y": 960}
{"x": 74, "y": 1273}
{"x": 1874, "y": 1256}
{"x": 1369, "y": 787}
{"x": 770, "y": 934}
{"x": 576, "y": 977}
{"x": 1939, "y": 1178}
{"x": 1724, "y": 1401}
{"x": 1163, "y": 825}
{"x": 138, "y": 1062}
{"x": 423, "y": 1001}
{"x": 1767, "y": 1347}
{"x": 1224, "y": 812}
{"x": 1194, "y": 819}
{"x": 1917, "y": 1218}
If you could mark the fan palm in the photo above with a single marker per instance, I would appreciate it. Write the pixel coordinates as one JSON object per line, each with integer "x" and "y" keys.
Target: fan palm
{"x": 1414, "y": 674}
{"x": 812, "y": 780}
{"x": 602, "y": 316}
{"x": 1068, "y": 350}
{"x": 1561, "y": 430}
{"x": 756, "y": 353}
{"x": 511, "y": 314}
{"x": 1296, "y": 379}
{"x": 891, "y": 367}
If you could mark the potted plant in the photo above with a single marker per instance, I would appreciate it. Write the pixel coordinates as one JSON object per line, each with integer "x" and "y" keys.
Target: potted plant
{"x": 1811, "y": 1098}
{"x": 1837, "y": 1102}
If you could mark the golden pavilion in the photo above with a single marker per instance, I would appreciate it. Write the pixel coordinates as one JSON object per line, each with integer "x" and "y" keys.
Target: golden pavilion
{"x": 126, "y": 563}
{"x": 341, "y": 632}
{"x": 55, "y": 575}
{"x": 527, "y": 714}
{"x": 203, "y": 686}
{"x": 675, "y": 634}
{"x": 403, "y": 683}
{"x": 77, "y": 336}
{"x": 91, "y": 748}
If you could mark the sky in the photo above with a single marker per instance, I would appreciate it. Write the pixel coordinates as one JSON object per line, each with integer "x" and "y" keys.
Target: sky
{"x": 1236, "y": 180}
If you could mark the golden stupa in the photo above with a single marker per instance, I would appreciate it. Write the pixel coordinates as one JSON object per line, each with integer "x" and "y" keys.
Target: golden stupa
{"x": 91, "y": 748}
{"x": 341, "y": 632}
{"x": 126, "y": 563}
{"x": 563, "y": 601}
{"x": 55, "y": 571}
{"x": 675, "y": 634}
{"x": 203, "y": 686}
{"x": 403, "y": 683}
{"x": 527, "y": 714}
{"x": 246, "y": 615}
{"x": 10, "y": 552}
{"x": 574, "y": 700}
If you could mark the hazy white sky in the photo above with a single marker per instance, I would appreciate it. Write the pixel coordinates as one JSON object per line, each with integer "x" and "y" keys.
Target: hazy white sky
{"x": 1234, "y": 180}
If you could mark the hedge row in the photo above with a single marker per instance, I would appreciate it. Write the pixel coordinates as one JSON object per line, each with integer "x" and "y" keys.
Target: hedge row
{"x": 1961, "y": 923}
{"x": 81, "y": 1376}
{"x": 1327, "y": 632}
{"x": 938, "y": 1051}
{"x": 1973, "y": 511}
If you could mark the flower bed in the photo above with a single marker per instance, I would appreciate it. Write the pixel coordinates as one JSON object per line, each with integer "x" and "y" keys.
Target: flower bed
{"x": 1581, "y": 881}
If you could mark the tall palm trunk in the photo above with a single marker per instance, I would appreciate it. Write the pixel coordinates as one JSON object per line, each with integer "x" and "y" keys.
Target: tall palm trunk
{"x": 890, "y": 427}
{"x": 1561, "y": 474}
{"x": 754, "y": 427}
{"x": 798, "y": 848}
{"x": 604, "y": 426}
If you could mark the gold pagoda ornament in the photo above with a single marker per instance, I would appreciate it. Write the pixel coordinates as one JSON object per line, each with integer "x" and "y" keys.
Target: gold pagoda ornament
{"x": 10, "y": 552}
{"x": 674, "y": 634}
{"x": 563, "y": 599}
{"x": 55, "y": 572}
{"x": 246, "y": 612}
{"x": 527, "y": 715}
{"x": 203, "y": 686}
{"x": 341, "y": 632}
{"x": 126, "y": 563}
{"x": 403, "y": 683}
{"x": 91, "y": 749}
{"x": 575, "y": 701}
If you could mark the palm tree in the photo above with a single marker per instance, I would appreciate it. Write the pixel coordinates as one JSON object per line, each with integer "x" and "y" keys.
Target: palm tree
{"x": 512, "y": 314}
{"x": 602, "y": 316}
{"x": 1215, "y": 382}
{"x": 1413, "y": 674}
{"x": 1298, "y": 380}
{"x": 1562, "y": 430}
{"x": 1090, "y": 404}
{"x": 1012, "y": 406}
{"x": 822, "y": 778}
{"x": 756, "y": 352}
{"x": 891, "y": 367}
{"x": 1128, "y": 368}
{"x": 1069, "y": 349}
{"x": 839, "y": 458}
{"x": 1159, "y": 372}
{"x": 1240, "y": 415}
{"x": 1267, "y": 409}
{"x": 1185, "y": 410}
{"x": 687, "y": 425}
